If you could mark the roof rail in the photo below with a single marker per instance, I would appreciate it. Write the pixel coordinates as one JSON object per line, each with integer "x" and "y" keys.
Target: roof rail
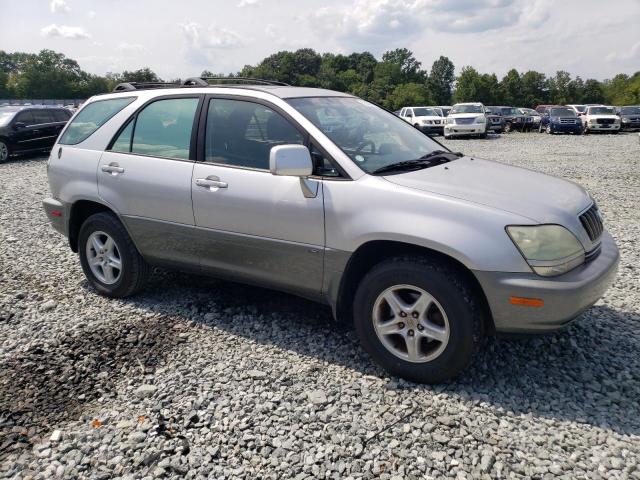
{"x": 206, "y": 81}
{"x": 129, "y": 86}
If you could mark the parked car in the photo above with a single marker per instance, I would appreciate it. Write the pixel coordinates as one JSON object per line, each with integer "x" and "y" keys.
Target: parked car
{"x": 579, "y": 109}
{"x": 601, "y": 119}
{"x": 495, "y": 123}
{"x": 445, "y": 109}
{"x": 25, "y": 129}
{"x": 534, "y": 115}
{"x": 466, "y": 119}
{"x": 541, "y": 109}
{"x": 560, "y": 120}
{"x": 425, "y": 250}
{"x": 513, "y": 119}
{"x": 629, "y": 117}
{"x": 439, "y": 111}
{"x": 425, "y": 119}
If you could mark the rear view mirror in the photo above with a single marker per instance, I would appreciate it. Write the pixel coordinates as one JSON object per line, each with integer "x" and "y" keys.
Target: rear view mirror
{"x": 290, "y": 160}
{"x": 19, "y": 125}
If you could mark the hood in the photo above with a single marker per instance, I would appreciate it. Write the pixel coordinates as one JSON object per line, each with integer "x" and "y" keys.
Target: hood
{"x": 539, "y": 197}
{"x": 429, "y": 117}
{"x": 602, "y": 115}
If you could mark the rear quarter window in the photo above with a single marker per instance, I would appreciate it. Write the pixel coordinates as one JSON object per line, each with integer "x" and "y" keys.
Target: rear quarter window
{"x": 91, "y": 118}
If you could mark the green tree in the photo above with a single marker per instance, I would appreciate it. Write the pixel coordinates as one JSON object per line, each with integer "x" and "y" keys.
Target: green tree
{"x": 511, "y": 91}
{"x": 141, "y": 75}
{"x": 535, "y": 90}
{"x": 409, "y": 66}
{"x": 592, "y": 92}
{"x": 560, "y": 88}
{"x": 408, "y": 94}
{"x": 441, "y": 81}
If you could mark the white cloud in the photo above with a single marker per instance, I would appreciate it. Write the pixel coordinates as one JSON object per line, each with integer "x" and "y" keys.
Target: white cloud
{"x": 211, "y": 38}
{"x": 632, "y": 53}
{"x": 131, "y": 48}
{"x": 64, "y": 31}
{"x": 59, "y": 6}
{"x": 91, "y": 14}
{"x": 248, "y": 3}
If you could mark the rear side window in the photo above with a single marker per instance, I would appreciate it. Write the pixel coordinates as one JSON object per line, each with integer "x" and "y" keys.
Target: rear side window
{"x": 91, "y": 118}
{"x": 61, "y": 115}
{"x": 42, "y": 116}
{"x": 161, "y": 129}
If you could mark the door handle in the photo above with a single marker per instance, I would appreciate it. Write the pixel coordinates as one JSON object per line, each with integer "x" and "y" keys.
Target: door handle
{"x": 112, "y": 168}
{"x": 211, "y": 182}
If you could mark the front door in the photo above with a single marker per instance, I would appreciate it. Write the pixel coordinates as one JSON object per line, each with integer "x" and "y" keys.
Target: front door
{"x": 25, "y": 137}
{"x": 146, "y": 177}
{"x": 257, "y": 226}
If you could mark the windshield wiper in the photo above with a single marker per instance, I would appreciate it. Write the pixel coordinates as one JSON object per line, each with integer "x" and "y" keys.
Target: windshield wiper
{"x": 431, "y": 159}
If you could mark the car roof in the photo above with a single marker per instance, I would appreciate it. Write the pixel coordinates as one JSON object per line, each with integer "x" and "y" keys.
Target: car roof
{"x": 18, "y": 108}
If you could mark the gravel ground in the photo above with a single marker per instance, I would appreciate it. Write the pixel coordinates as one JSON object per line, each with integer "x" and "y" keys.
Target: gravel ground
{"x": 201, "y": 378}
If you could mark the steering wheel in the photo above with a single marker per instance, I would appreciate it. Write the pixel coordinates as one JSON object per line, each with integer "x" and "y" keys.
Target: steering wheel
{"x": 364, "y": 144}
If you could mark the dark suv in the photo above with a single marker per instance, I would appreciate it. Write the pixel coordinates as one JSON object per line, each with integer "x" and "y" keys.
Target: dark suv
{"x": 29, "y": 128}
{"x": 513, "y": 118}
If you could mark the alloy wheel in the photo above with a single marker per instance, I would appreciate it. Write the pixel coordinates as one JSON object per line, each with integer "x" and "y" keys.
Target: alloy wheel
{"x": 410, "y": 323}
{"x": 4, "y": 152}
{"x": 103, "y": 257}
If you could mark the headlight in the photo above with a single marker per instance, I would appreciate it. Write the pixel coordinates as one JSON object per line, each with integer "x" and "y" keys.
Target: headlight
{"x": 481, "y": 119}
{"x": 450, "y": 121}
{"x": 625, "y": 120}
{"x": 592, "y": 120}
{"x": 550, "y": 250}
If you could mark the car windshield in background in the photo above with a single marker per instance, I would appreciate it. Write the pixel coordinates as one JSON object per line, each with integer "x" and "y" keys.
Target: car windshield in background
{"x": 5, "y": 117}
{"x": 602, "y": 111}
{"x": 466, "y": 109}
{"x": 580, "y": 108}
{"x": 510, "y": 111}
{"x": 562, "y": 112}
{"x": 425, "y": 112}
{"x": 630, "y": 110}
{"x": 530, "y": 111}
{"x": 372, "y": 137}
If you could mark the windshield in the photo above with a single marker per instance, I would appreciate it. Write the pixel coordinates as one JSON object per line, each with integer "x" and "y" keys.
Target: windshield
{"x": 630, "y": 110}
{"x": 425, "y": 112}
{"x": 602, "y": 111}
{"x": 466, "y": 109}
{"x": 510, "y": 111}
{"x": 530, "y": 111}
{"x": 580, "y": 108}
{"x": 562, "y": 112}
{"x": 5, "y": 117}
{"x": 372, "y": 137}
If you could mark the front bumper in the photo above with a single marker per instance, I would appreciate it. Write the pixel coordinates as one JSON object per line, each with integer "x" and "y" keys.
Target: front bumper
{"x": 566, "y": 127}
{"x": 565, "y": 297}
{"x": 607, "y": 127}
{"x": 431, "y": 129}
{"x": 630, "y": 126}
{"x": 58, "y": 214}
{"x": 470, "y": 129}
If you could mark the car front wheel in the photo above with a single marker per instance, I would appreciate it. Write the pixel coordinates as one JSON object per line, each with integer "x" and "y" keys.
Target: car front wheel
{"x": 418, "y": 319}
{"x": 109, "y": 258}
{"x": 549, "y": 130}
{"x": 5, "y": 152}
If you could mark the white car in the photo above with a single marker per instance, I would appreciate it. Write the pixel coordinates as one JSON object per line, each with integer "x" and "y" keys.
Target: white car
{"x": 579, "y": 109}
{"x": 425, "y": 119}
{"x": 466, "y": 119}
{"x": 601, "y": 118}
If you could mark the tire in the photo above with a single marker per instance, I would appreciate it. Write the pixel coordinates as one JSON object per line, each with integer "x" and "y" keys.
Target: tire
{"x": 460, "y": 316}
{"x": 507, "y": 127}
{"x": 5, "y": 151}
{"x": 483, "y": 135}
{"x": 585, "y": 130}
{"x": 549, "y": 130}
{"x": 124, "y": 280}
{"x": 540, "y": 129}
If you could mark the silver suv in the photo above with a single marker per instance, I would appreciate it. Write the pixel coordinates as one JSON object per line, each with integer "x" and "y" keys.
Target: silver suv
{"x": 327, "y": 196}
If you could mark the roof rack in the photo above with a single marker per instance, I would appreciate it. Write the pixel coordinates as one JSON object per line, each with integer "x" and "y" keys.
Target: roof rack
{"x": 206, "y": 81}
{"x": 129, "y": 86}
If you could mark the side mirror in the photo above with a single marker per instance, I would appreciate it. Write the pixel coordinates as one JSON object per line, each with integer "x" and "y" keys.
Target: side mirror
{"x": 290, "y": 160}
{"x": 19, "y": 125}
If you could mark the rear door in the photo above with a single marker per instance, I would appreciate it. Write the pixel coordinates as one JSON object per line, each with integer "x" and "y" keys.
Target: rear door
{"x": 46, "y": 127}
{"x": 255, "y": 226}
{"x": 145, "y": 175}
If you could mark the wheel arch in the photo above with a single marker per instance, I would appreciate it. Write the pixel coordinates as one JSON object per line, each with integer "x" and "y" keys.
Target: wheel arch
{"x": 374, "y": 252}
{"x": 79, "y": 211}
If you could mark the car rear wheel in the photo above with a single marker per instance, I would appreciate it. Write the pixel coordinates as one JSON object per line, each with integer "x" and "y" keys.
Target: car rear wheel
{"x": 5, "y": 152}
{"x": 109, "y": 258}
{"x": 585, "y": 130}
{"x": 507, "y": 127}
{"x": 418, "y": 319}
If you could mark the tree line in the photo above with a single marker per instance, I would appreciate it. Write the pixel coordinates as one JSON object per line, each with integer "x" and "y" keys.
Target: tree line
{"x": 396, "y": 80}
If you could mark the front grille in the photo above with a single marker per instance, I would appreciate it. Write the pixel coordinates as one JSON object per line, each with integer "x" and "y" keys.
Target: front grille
{"x": 592, "y": 222}
{"x": 568, "y": 121}
{"x": 437, "y": 122}
{"x": 465, "y": 120}
{"x": 604, "y": 121}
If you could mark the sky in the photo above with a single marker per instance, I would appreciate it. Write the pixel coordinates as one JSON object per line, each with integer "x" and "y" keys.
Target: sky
{"x": 178, "y": 39}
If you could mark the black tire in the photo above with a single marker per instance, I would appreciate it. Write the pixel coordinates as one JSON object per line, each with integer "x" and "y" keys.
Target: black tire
{"x": 5, "y": 150}
{"x": 134, "y": 269}
{"x": 449, "y": 289}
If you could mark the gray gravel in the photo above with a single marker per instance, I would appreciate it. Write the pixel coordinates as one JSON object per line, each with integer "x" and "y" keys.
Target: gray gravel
{"x": 201, "y": 378}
